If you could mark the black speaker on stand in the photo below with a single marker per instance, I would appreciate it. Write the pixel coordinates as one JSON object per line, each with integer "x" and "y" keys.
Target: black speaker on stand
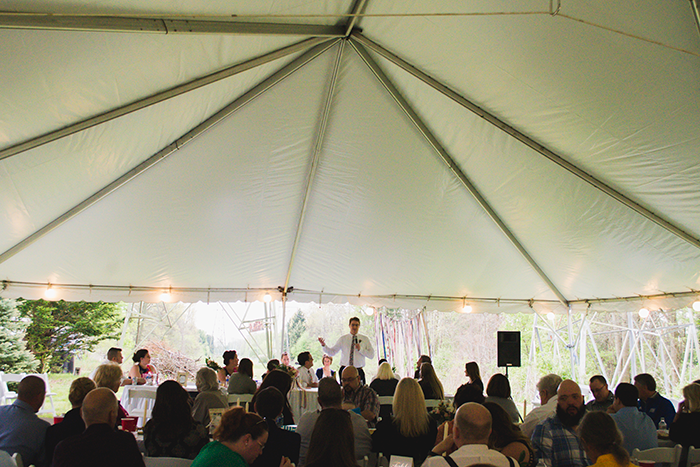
{"x": 508, "y": 349}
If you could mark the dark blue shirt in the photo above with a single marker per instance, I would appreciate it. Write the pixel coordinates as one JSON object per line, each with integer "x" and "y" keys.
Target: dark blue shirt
{"x": 658, "y": 407}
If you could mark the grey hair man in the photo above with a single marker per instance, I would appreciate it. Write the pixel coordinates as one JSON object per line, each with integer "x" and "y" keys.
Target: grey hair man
{"x": 470, "y": 434}
{"x": 330, "y": 396}
{"x": 21, "y": 431}
{"x": 547, "y": 387}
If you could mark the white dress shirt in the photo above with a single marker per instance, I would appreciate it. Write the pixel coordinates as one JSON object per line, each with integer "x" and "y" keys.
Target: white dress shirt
{"x": 538, "y": 415}
{"x": 343, "y": 345}
{"x": 306, "y": 376}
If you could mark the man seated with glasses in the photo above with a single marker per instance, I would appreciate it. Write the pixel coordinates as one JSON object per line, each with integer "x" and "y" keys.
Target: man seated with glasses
{"x": 359, "y": 397}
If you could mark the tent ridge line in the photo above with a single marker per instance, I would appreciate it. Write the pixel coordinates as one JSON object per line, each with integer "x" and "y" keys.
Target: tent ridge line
{"x": 155, "y": 25}
{"x": 315, "y": 157}
{"x": 241, "y": 101}
{"x": 526, "y": 140}
{"x": 157, "y": 97}
{"x": 454, "y": 167}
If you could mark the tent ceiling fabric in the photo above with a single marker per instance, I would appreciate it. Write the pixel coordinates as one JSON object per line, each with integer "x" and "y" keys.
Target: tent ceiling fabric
{"x": 301, "y": 168}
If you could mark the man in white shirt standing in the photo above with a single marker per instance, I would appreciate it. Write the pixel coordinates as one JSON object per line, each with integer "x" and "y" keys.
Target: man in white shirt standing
{"x": 471, "y": 436}
{"x": 354, "y": 348}
{"x": 306, "y": 377}
{"x": 547, "y": 387}
{"x": 114, "y": 356}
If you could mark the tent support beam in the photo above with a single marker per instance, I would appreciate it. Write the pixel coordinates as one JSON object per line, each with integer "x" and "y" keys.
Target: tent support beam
{"x": 354, "y": 16}
{"x": 442, "y": 152}
{"x": 173, "y": 147}
{"x": 314, "y": 163}
{"x": 526, "y": 140}
{"x": 51, "y": 22}
{"x": 157, "y": 98}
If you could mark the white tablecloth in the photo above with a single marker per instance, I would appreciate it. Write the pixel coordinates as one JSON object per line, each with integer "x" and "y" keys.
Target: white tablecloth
{"x": 302, "y": 401}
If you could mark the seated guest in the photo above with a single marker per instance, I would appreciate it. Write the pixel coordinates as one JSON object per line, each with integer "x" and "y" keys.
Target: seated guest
{"x": 384, "y": 384}
{"x": 638, "y": 430}
{"x": 239, "y": 439}
{"x": 306, "y": 377}
{"x": 230, "y": 366}
{"x": 429, "y": 382}
{"x": 271, "y": 365}
{"x": 471, "y": 436}
{"x": 685, "y": 429}
{"x": 421, "y": 360}
{"x": 269, "y": 405}
{"x": 21, "y": 431}
{"x": 284, "y": 359}
{"x": 507, "y": 438}
{"x": 602, "y": 441}
{"x": 209, "y": 397}
{"x": 498, "y": 391}
{"x": 332, "y": 442}
{"x": 330, "y": 396}
{"x": 358, "y": 396}
{"x": 72, "y": 423}
{"x": 109, "y": 376}
{"x": 466, "y": 393}
{"x": 411, "y": 431}
{"x": 100, "y": 445}
{"x": 555, "y": 440}
{"x": 547, "y": 387}
{"x": 651, "y": 402}
{"x": 242, "y": 382}
{"x": 602, "y": 396}
{"x": 171, "y": 431}
{"x": 114, "y": 356}
{"x": 325, "y": 371}
{"x": 282, "y": 381}
{"x": 142, "y": 369}
{"x": 471, "y": 371}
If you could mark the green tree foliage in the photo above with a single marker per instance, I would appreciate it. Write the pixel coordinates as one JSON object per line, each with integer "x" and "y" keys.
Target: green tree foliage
{"x": 297, "y": 327}
{"x": 60, "y": 329}
{"x": 14, "y": 356}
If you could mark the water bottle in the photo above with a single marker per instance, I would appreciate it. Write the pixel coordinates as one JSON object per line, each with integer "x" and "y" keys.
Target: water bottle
{"x": 662, "y": 425}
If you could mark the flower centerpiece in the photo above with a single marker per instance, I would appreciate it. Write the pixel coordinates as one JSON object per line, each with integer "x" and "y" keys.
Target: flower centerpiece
{"x": 290, "y": 370}
{"x": 443, "y": 412}
{"x": 212, "y": 364}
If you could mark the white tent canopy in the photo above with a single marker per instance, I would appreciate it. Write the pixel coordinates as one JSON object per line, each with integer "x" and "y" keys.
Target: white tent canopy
{"x": 508, "y": 155}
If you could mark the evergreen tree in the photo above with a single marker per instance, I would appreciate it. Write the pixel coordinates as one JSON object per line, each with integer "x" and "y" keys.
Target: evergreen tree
{"x": 14, "y": 356}
{"x": 297, "y": 327}
{"x": 60, "y": 329}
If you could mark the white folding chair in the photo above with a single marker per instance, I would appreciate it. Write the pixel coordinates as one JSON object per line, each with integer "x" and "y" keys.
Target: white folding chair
{"x": 166, "y": 462}
{"x": 242, "y": 400}
{"x": 6, "y": 396}
{"x": 693, "y": 457}
{"x": 669, "y": 457}
{"x": 5, "y": 378}
{"x": 148, "y": 394}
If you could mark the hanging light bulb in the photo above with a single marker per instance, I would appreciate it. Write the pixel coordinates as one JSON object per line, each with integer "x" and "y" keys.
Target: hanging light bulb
{"x": 643, "y": 313}
{"x": 696, "y": 305}
{"x": 551, "y": 316}
{"x": 369, "y": 311}
{"x": 165, "y": 296}
{"x": 50, "y": 292}
{"x": 267, "y": 298}
{"x": 467, "y": 309}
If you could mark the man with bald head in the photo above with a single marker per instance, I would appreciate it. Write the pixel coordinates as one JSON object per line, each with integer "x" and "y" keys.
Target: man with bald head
{"x": 555, "y": 440}
{"x": 358, "y": 396}
{"x": 471, "y": 436}
{"x": 21, "y": 431}
{"x": 100, "y": 444}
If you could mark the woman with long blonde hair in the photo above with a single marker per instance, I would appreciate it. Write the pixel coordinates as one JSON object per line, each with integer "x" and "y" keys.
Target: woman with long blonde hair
{"x": 411, "y": 431}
